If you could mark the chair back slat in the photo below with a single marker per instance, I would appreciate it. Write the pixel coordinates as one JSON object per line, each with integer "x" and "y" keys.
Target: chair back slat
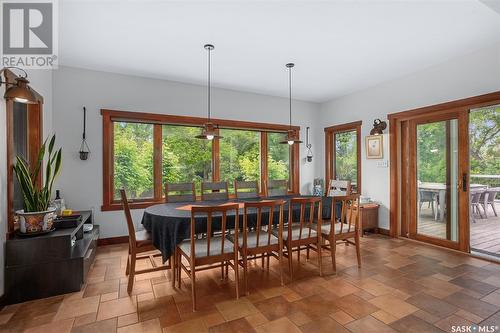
{"x": 349, "y": 213}
{"x": 212, "y": 212}
{"x": 128, "y": 217}
{"x": 339, "y": 188}
{"x": 246, "y": 189}
{"x": 214, "y": 191}
{"x": 315, "y": 212}
{"x": 180, "y": 192}
{"x": 263, "y": 208}
{"x": 277, "y": 188}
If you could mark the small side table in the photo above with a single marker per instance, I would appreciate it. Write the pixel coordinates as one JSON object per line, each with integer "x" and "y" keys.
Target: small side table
{"x": 369, "y": 217}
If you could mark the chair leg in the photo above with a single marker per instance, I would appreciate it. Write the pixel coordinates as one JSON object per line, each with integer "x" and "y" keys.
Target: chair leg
{"x": 262, "y": 260}
{"x": 494, "y": 209}
{"x": 131, "y": 273}
{"x": 245, "y": 272}
{"x": 333, "y": 248}
{"x": 290, "y": 263}
{"x": 358, "y": 253}
{"x": 320, "y": 257}
{"x": 236, "y": 274}
{"x": 127, "y": 270}
{"x": 173, "y": 260}
{"x": 307, "y": 252}
{"x": 193, "y": 286}
{"x": 179, "y": 269}
{"x": 268, "y": 255}
{"x": 280, "y": 256}
{"x": 298, "y": 254}
{"x": 222, "y": 264}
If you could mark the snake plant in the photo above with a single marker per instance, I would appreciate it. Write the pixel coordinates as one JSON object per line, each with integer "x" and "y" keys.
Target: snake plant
{"x": 37, "y": 198}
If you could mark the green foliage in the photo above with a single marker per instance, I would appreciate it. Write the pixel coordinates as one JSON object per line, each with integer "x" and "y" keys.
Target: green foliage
{"x": 485, "y": 142}
{"x": 484, "y": 147}
{"x": 346, "y": 165}
{"x": 133, "y": 162}
{"x": 187, "y": 159}
{"x": 38, "y": 199}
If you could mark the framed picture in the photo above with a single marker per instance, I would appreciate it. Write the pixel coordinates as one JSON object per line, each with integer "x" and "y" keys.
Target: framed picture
{"x": 374, "y": 146}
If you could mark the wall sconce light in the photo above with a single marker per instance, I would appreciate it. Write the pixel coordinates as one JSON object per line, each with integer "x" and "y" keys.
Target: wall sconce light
{"x": 378, "y": 127}
{"x": 84, "y": 147}
{"x": 309, "y": 156}
{"x": 19, "y": 91}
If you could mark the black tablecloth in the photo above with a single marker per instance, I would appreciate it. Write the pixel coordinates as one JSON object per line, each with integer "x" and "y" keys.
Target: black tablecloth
{"x": 169, "y": 225}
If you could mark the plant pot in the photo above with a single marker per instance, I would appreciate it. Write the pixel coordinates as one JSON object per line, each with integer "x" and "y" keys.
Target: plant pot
{"x": 35, "y": 222}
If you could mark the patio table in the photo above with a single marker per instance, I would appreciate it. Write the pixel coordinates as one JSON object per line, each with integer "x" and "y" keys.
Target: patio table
{"x": 169, "y": 223}
{"x": 440, "y": 189}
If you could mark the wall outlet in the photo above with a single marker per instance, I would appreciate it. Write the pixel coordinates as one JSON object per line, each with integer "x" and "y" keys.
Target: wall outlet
{"x": 383, "y": 164}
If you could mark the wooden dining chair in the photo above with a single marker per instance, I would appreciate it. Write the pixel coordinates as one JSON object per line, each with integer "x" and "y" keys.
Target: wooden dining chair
{"x": 246, "y": 189}
{"x": 276, "y": 188}
{"x": 345, "y": 228}
{"x": 214, "y": 191}
{"x": 138, "y": 242}
{"x": 212, "y": 251}
{"x": 180, "y": 192}
{"x": 338, "y": 187}
{"x": 257, "y": 239}
{"x": 304, "y": 233}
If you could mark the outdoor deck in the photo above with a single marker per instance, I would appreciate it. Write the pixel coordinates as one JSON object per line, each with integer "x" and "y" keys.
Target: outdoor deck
{"x": 484, "y": 233}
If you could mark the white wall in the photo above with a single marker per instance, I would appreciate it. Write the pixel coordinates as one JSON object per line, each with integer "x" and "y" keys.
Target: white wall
{"x": 41, "y": 81}
{"x": 81, "y": 181}
{"x": 474, "y": 74}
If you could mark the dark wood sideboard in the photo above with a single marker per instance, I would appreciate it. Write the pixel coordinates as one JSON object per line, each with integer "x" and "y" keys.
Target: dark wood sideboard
{"x": 369, "y": 217}
{"x": 48, "y": 265}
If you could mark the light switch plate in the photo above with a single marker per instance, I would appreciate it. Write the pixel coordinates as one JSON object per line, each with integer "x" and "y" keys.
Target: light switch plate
{"x": 382, "y": 164}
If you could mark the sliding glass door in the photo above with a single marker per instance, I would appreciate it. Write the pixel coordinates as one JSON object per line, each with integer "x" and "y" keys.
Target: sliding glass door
{"x": 438, "y": 179}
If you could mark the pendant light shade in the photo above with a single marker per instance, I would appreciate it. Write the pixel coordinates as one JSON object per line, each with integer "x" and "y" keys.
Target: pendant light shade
{"x": 20, "y": 91}
{"x": 292, "y": 136}
{"x": 209, "y": 130}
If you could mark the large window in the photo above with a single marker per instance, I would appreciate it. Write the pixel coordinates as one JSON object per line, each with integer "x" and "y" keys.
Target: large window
{"x": 239, "y": 156}
{"x": 344, "y": 153}
{"x": 143, "y": 151}
{"x": 185, "y": 158}
{"x": 278, "y": 158}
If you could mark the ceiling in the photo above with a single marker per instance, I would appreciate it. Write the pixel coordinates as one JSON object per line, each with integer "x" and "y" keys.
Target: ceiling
{"x": 338, "y": 46}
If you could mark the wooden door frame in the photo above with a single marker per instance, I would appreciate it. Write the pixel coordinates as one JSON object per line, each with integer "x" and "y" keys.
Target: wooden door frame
{"x": 461, "y": 243}
{"x": 395, "y": 121}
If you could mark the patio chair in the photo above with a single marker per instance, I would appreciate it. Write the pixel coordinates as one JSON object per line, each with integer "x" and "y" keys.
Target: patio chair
{"x": 430, "y": 198}
{"x": 475, "y": 206}
{"x": 489, "y": 199}
{"x": 339, "y": 187}
{"x": 277, "y": 188}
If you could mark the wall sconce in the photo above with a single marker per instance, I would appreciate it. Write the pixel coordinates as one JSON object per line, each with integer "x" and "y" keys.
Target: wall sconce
{"x": 84, "y": 147}
{"x": 19, "y": 91}
{"x": 309, "y": 156}
{"x": 378, "y": 127}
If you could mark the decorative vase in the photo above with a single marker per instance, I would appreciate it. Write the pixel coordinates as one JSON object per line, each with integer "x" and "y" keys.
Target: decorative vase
{"x": 35, "y": 222}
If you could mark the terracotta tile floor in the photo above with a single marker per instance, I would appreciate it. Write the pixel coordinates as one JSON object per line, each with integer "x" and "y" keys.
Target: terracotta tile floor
{"x": 402, "y": 287}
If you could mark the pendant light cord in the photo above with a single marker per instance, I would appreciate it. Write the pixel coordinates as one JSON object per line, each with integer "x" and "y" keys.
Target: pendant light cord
{"x": 290, "y": 93}
{"x": 209, "y": 82}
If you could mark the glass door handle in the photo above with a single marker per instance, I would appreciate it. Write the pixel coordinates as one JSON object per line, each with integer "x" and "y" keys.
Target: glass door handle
{"x": 464, "y": 182}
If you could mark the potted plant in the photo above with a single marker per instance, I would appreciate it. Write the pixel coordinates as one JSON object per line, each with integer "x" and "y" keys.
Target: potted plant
{"x": 37, "y": 215}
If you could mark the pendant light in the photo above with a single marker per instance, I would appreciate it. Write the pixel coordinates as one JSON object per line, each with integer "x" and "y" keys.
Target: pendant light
{"x": 209, "y": 130}
{"x": 291, "y": 135}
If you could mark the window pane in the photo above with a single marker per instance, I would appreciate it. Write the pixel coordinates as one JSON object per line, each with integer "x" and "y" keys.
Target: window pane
{"x": 186, "y": 158}
{"x": 278, "y": 158}
{"x": 346, "y": 157}
{"x": 239, "y": 156}
{"x": 133, "y": 160}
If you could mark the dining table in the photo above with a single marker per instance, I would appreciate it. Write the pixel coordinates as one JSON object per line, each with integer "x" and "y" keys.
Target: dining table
{"x": 169, "y": 223}
{"x": 440, "y": 190}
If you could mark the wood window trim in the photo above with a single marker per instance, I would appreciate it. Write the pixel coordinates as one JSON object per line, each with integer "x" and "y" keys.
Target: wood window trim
{"x": 395, "y": 121}
{"x": 110, "y": 116}
{"x": 35, "y": 138}
{"x": 330, "y": 149}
